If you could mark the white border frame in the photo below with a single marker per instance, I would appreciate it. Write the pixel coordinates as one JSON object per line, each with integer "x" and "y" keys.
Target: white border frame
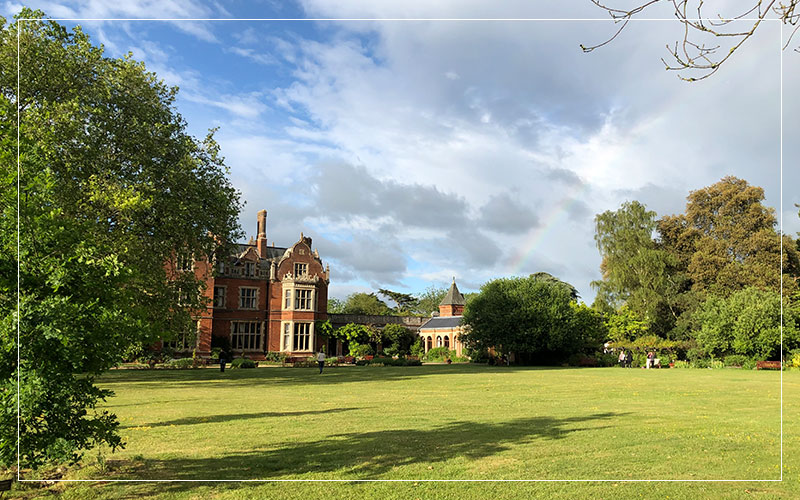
{"x": 780, "y": 48}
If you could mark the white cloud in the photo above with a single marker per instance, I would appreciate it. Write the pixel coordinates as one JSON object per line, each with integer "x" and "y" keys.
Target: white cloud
{"x": 248, "y": 106}
{"x": 260, "y": 58}
{"x": 469, "y": 149}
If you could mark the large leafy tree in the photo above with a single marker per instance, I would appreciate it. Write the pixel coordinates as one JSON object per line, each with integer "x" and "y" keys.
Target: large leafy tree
{"x": 111, "y": 187}
{"x": 397, "y": 339}
{"x": 365, "y": 303}
{"x": 429, "y": 300}
{"x": 405, "y": 302}
{"x": 636, "y": 271}
{"x": 726, "y": 241}
{"x": 535, "y": 318}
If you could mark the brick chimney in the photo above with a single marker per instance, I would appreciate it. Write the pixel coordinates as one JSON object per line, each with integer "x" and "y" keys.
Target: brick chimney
{"x": 261, "y": 239}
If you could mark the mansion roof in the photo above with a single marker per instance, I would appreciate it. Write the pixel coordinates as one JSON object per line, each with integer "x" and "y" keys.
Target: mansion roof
{"x": 272, "y": 253}
{"x": 442, "y": 322}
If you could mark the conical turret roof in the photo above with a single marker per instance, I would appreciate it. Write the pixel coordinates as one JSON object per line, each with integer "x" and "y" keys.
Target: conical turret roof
{"x": 453, "y": 297}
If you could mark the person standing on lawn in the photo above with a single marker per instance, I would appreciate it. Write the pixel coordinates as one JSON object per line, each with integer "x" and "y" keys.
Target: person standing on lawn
{"x": 321, "y": 360}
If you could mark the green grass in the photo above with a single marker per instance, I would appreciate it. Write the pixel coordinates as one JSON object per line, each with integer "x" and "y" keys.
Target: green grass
{"x": 447, "y": 422}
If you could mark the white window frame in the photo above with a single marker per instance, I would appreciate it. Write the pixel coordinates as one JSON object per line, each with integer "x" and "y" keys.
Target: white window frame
{"x": 287, "y": 299}
{"x": 300, "y": 268}
{"x": 301, "y": 331}
{"x": 250, "y": 333}
{"x": 249, "y": 269}
{"x": 224, "y": 296}
{"x": 286, "y": 335}
{"x": 288, "y": 340}
{"x": 300, "y": 300}
{"x": 254, "y": 298}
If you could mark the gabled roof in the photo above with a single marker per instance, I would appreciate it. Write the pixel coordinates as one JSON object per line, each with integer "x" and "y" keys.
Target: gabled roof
{"x": 453, "y": 297}
{"x": 442, "y": 322}
{"x": 271, "y": 253}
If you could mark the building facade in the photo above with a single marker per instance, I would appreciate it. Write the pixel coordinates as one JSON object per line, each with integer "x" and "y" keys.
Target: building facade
{"x": 264, "y": 298}
{"x": 445, "y": 329}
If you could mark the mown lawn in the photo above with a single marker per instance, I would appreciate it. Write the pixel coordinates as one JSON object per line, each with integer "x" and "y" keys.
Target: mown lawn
{"x": 447, "y": 422}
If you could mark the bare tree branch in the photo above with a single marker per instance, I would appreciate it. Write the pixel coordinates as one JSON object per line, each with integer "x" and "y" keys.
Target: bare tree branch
{"x": 692, "y": 55}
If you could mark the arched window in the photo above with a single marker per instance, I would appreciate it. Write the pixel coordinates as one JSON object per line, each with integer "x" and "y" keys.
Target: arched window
{"x": 429, "y": 345}
{"x": 438, "y": 341}
{"x": 447, "y": 342}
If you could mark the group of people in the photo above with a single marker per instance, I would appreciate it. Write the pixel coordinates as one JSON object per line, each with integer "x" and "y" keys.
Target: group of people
{"x": 626, "y": 359}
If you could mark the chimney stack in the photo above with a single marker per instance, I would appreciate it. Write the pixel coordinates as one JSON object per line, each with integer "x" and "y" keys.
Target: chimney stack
{"x": 261, "y": 239}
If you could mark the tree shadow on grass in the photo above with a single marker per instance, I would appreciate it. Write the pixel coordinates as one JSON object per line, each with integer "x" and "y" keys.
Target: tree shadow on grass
{"x": 208, "y": 419}
{"x": 373, "y": 455}
{"x": 176, "y": 379}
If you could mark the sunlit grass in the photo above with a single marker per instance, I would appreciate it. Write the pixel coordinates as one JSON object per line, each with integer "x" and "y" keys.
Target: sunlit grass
{"x": 446, "y": 422}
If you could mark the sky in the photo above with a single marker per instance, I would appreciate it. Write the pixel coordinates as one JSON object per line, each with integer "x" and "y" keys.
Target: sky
{"x": 412, "y": 152}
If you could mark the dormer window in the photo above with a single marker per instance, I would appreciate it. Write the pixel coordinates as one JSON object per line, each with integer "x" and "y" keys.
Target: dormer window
{"x": 300, "y": 269}
{"x": 221, "y": 267}
{"x": 249, "y": 268}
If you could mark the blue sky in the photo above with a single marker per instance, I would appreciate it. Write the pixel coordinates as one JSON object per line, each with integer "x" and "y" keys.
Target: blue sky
{"x": 412, "y": 152}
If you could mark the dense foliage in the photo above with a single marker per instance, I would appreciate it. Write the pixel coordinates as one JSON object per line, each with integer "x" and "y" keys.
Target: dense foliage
{"x": 422, "y": 304}
{"x": 397, "y": 340}
{"x": 537, "y": 319}
{"x": 110, "y": 188}
{"x": 748, "y": 324}
{"x": 712, "y": 274}
{"x": 363, "y": 303}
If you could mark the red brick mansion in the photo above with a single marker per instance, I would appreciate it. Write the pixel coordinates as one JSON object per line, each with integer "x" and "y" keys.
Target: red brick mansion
{"x": 264, "y": 298}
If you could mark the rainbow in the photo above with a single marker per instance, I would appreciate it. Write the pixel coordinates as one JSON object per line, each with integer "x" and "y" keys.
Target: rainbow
{"x": 535, "y": 237}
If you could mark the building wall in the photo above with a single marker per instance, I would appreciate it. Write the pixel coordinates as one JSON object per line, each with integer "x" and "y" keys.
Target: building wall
{"x": 272, "y": 278}
{"x": 452, "y": 334}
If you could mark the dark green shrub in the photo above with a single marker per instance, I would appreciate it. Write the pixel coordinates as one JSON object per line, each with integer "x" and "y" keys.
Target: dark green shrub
{"x": 276, "y": 357}
{"x": 477, "y": 355}
{"x": 736, "y": 360}
{"x": 439, "y": 354}
{"x": 574, "y": 359}
{"x": 700, "y": 363}
{"x": 360, "y": 350}
{"x": 179, "y": 364}
{"x": 417, "y": 349}
{"x": 362, "y": 362}
{"x": 413, "y": 362}
{"x": 695, "y": 353}
{"x": 150, "y": 357}
{"x": 243, "y": 363}
{"x": 607, "y": 359}
{"x": 391, "y": 351}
